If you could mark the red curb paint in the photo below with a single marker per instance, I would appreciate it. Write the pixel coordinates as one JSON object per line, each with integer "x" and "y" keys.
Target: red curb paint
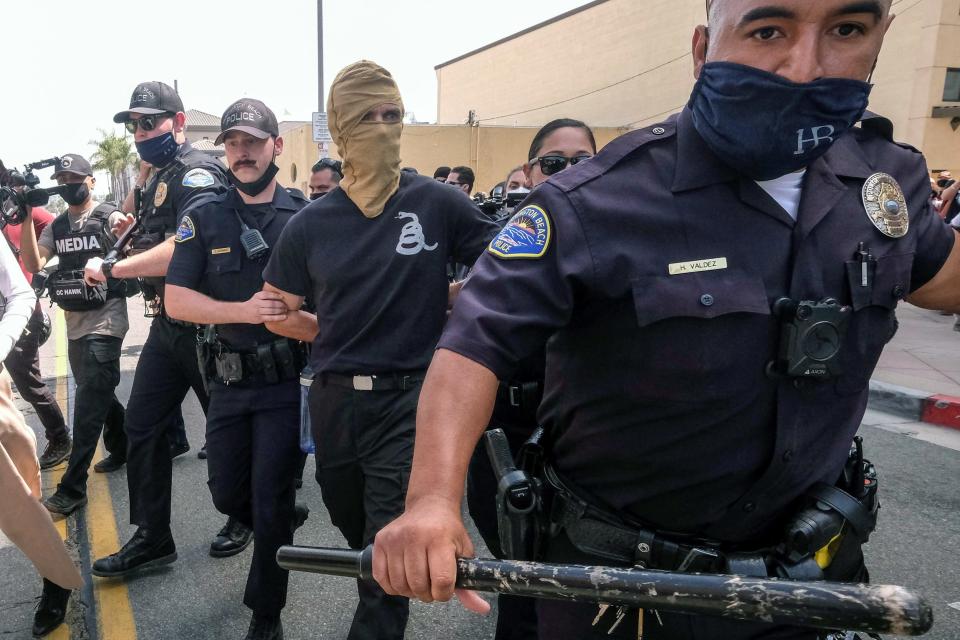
{"x": 942, "y": 410}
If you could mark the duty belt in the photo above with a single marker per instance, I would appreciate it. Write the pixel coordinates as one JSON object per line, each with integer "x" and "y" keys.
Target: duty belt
{"x": 597, "y": 532}
{"x": 524, "y": 396}
{"x": 400, "y": 381}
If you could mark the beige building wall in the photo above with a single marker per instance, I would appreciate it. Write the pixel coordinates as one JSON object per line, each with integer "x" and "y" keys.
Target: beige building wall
{"x": 626, "y": 63}
{"x": 489, "y": 151}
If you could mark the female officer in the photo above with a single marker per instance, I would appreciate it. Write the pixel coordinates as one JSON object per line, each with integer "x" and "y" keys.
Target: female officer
{"x": 557, "y": 145}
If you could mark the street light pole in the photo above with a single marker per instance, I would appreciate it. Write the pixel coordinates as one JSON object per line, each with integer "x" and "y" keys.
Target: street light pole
{"x": 321, "y": 107}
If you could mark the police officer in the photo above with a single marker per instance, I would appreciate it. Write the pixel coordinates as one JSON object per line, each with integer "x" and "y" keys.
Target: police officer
{"x": 96, "y": 318}
{"x": 654, "y": 270}
{"x": 253, "y": 423}
{"x": 182, "y": 178}
{"x": 557, "y": 145}
{"x": 372, "y": 255}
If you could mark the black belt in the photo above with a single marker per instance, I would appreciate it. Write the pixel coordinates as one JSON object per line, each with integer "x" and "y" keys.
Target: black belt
{"x": 596, "y": 532}
{"x": 401, "y": 381}
{"x": 525, "y": 396}
{"x": 178, "y": 323}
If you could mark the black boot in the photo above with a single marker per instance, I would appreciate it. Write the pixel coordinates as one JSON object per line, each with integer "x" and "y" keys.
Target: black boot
{"x": 110, "y": 464}
{"x": 52, "y": 609}
{"x": 56, "y": 452}
{"x": 144, "y": 550}
{"x": 264, "y": 628}
{"x": 231, "y": 540}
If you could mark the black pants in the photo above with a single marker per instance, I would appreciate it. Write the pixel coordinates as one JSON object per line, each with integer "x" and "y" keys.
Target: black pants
{"x": 166, "y": 371}
{"x": 516, "y": 616}
{"x": 253, "y": 455}
{"x": 23, "y": 363}
{"x": 95, "y": 362}
{"x": 364, "y": 451}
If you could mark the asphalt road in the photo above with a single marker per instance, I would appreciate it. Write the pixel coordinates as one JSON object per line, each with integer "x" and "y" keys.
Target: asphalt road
{"x": 199, "y": 597}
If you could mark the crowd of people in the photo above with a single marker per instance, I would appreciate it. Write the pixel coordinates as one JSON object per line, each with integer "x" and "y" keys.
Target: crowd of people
{"x": 634, "y": 320}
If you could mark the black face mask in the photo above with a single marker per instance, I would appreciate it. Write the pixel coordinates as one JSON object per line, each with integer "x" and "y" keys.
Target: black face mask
{"x": 316, "y": 196}
{"x": 258, "y": 185}
{"x": 75, "y": 194}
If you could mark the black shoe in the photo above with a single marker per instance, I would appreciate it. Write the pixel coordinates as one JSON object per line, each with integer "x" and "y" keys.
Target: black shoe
{"x": 202, "y": 454}
{"x": 179, "y": 449}
{"x": 56, "y": 452}
{"x": 264, "y": 628}
{"x": 143, "y": 551}
{"x": 302, "y": 513}
{"x": 63, "y": 504}
{"x": 231, "y": 540}
{"x": 109, "y": 464}
{"x": 52, "y": 609}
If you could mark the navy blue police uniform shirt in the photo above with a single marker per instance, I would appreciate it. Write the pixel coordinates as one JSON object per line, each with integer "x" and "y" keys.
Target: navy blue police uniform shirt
{"x": 191, "y": 179}
{"x": 209, "y": 258}
{"x": 379, "y": 285}
{"x": 656, "y": 392}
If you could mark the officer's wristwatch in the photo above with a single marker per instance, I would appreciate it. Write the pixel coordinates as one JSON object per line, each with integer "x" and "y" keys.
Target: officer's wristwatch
{"x": 107, "y": 266}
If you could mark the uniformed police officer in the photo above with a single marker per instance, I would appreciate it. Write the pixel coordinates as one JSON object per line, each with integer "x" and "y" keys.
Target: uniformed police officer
{"x": 654, "y": 270}
{"x": 372, "y": 256}
{"x": 182, "y": 177}
{"x": 557, "y": 145}
{"x": 96, "y": 319}
{"x": 253, "y": 444}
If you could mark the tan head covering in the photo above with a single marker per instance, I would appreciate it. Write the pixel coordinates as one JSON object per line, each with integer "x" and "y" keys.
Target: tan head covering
{"x": 370, "y": 150}
{"x": 22, "y": 518}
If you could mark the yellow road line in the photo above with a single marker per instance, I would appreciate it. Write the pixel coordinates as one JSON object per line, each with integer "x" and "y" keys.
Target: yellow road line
{"x": 114, "y": 613}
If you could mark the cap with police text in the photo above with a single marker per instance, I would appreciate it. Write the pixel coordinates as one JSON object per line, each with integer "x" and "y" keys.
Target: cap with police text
{"x": 250, "y": 116}
{"x": 151, "y": 98}
{"x": 72, "y": 163}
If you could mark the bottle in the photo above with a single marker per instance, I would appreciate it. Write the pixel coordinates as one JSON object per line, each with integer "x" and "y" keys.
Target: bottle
{"x": 306, "y": 435}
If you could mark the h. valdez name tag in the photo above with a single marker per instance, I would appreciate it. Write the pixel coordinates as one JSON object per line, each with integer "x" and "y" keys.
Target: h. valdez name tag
{"x": 693, "y": 266}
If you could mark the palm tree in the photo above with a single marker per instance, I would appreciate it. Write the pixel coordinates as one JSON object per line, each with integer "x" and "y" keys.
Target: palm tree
{"x": 115, "y": 155}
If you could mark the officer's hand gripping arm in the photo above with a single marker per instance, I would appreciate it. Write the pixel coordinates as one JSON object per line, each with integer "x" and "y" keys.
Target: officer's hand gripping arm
{"x": 296, "y": 324}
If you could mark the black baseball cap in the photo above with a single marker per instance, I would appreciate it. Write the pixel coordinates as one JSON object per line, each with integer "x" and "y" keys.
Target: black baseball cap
{"x": 151, "y": 98}
{"x": 72, "y": 163}
{"x": 250, "y": 116}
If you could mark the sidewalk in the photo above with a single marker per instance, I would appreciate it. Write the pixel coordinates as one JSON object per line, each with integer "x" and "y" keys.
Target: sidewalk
{"x": 918, "y": 375}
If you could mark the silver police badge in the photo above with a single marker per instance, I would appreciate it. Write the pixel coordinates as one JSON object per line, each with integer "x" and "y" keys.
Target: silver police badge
{"x": 885, "y": 205}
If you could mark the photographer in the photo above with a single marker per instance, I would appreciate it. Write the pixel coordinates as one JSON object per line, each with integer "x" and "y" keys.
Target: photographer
{"x": 96, "y": 324}
{"x": 23, "y": 362}
{"x": 949, "y": 204}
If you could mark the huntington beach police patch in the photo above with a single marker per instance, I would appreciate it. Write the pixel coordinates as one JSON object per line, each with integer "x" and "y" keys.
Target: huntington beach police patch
{"x": 527, "y": 235}
{"x": 885, "y": 205}
{"x": 198, "y": 178}
{"x": 186, "y": 230}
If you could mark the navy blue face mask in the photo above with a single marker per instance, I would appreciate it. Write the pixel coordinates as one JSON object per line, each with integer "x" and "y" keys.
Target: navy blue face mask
{"x": 158, "y": 151}
{"x": 766, "y": 126}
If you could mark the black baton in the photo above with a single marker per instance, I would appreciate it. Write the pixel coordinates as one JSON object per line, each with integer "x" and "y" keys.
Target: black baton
{"x": 818, "y": 605}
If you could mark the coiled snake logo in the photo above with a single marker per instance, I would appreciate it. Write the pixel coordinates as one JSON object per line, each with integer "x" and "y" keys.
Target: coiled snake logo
{"x": 412, "y": 241}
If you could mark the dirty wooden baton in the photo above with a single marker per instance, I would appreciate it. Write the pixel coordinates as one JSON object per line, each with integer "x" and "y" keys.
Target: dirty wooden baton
{"x": 818, "y": 605}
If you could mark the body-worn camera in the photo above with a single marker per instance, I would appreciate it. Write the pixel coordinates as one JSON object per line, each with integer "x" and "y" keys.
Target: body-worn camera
{"x": 21, "y": 191}
{"x": 811, "y": 335}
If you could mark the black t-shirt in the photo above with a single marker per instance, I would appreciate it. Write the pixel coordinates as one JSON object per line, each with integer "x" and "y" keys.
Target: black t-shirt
{"x": 380, "y": 284}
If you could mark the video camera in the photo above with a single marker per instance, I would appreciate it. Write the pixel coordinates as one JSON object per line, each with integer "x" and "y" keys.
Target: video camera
{"x": 14, "y": 202}
{"x": 493, "y": 205}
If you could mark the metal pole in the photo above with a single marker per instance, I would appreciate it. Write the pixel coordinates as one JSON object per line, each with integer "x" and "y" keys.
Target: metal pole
{"x": 321, "y": 106}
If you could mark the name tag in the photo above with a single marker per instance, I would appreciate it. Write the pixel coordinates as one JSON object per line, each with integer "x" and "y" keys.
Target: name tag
{"x": 221, "y": 250}
{"x": 709, "y": 264}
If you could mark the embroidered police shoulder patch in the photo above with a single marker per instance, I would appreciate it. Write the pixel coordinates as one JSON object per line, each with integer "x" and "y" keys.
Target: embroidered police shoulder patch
{"x": 198, "y": 178}
{"x": 527, "y": 235}
{"x": 186, "y": 230}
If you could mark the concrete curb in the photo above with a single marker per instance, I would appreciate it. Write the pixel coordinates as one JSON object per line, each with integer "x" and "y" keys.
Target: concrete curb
{"x": 915, "y": 405}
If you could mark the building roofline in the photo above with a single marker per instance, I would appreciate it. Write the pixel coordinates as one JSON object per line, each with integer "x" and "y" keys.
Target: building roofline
{"x": 540, "y": 25}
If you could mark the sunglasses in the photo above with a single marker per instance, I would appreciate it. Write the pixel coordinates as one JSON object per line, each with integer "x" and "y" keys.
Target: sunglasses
{"x": 555, "y": 164}
{"x": 146, "y": 123}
